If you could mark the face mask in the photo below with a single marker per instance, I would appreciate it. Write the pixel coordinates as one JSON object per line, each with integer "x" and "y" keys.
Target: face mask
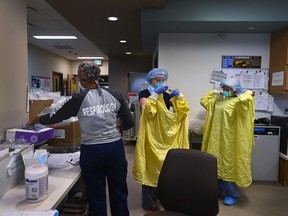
{"x": 226, "y": 94}
{"x": 158, "y": 84}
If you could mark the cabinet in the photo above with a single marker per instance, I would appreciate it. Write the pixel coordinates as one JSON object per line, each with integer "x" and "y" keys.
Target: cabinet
{"x": 279, "y": 61}
{"x": 283, "y": 170}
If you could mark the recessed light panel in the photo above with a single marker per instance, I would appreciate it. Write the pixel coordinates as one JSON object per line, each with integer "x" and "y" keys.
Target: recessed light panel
{"x": 54, "y": 37}
{"x": 112, "y": 18}
{"x": 89, "y": 57}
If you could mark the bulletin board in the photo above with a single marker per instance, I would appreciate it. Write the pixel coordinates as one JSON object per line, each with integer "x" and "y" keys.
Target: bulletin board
{"x": 40, "y": 82}
{"x": 252, "y": 79}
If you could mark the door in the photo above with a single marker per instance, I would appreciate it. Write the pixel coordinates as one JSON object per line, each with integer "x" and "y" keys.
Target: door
{"x": 58, "y": 82}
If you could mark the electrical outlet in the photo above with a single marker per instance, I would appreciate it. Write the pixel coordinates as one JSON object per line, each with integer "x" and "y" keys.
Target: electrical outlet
{"x": 285, "y": 111}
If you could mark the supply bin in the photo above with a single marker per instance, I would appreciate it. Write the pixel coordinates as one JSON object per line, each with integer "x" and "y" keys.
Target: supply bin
{"x": 12, "y": 164}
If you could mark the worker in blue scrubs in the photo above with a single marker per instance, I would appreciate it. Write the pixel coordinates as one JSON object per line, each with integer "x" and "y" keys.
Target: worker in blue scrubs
{"x": 102, "y": 157}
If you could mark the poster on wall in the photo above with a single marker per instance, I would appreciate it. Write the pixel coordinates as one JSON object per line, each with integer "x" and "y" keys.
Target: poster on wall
{"x": 241, "y": 61}
{"x": 41, "y": 82}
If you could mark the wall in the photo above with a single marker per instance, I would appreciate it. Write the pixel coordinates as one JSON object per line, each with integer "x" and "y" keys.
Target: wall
{"x": 14, "y": 64}
{"x": 190, "y": 59}
{"x": 120, "y": 67}
{"x": 280, "y": 103}
{"x": 43, "y": 63}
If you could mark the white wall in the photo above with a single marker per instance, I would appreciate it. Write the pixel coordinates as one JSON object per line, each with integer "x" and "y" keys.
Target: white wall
{"x": 43, "y": 63}
{"x": 280, "y": 103}
{"x": 190, "y": 59}
{"x": 14, "y": 64}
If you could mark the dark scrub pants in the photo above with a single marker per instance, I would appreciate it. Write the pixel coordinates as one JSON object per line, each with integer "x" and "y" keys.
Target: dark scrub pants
{"x": 100, "y": 162}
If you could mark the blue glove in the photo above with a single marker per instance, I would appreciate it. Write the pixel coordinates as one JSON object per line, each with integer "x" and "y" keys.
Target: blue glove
{"x": 161, "y": 89}
{"x": 174, "y": 93}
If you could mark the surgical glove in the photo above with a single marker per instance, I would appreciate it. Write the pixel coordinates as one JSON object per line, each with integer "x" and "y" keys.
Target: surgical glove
{"x": 251, "y": 92}
{"x": 161, "y": 89}
{"x": 174, "y": 93}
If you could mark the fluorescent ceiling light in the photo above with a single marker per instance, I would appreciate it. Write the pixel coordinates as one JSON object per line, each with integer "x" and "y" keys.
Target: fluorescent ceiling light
{"x": 89, "y": 57}
{"x": 55, "y": 37}
{"x": 112, "y": 18}
{"x": 123, "y": 41}
{"x": 128, "y": 53}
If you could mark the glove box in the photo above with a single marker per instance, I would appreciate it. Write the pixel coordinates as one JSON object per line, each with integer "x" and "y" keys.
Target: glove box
{"x": 12, "y": 166}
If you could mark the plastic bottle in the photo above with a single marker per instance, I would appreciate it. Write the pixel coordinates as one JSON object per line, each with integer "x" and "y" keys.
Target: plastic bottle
{"x": 36, "y": 182}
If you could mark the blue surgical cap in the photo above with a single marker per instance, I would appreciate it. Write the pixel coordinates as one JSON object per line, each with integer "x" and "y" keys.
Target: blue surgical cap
{"x": 157, "y": 72}
{"x": 233, "y": 84}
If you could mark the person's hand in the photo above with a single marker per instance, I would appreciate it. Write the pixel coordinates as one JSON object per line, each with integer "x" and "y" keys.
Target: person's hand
{"x": 32, "y": 122}
{"x": 216, "y": 91}
{"x": 161, "y": 89}
{"x": 174, "y": 93}
{"x": 251, "y": 92}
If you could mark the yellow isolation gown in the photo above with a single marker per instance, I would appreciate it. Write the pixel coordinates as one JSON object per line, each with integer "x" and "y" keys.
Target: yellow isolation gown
{"x": 159, "y": 131}
{"x": 228, "y": 134}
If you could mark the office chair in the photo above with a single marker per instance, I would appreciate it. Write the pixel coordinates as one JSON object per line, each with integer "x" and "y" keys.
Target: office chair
{"x": 187, "y": 184}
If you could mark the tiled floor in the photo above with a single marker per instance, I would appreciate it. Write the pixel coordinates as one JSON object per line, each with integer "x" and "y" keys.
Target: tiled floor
{"x": 259, "y": 199}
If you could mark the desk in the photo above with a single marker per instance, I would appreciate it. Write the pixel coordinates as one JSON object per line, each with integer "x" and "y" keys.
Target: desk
{"x": 60, "y": 181}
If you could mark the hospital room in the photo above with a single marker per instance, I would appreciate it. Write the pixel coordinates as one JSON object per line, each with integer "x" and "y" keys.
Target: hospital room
{"x": 157, "y": 107}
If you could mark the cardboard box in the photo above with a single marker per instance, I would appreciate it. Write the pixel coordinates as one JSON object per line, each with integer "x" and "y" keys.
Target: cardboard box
{"x": 12, "y": 165}
{"x": 30, "y": 136}
{"x": 66, "y": 134}
{"x": 36, "y": 106}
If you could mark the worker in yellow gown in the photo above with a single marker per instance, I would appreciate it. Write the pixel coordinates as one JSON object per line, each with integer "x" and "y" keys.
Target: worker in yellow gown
{"x": 228, "y": 134}
{"x": 160, "y": 129}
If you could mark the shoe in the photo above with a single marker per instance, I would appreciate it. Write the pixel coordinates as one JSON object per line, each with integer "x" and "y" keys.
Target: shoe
{"x": 221, "y": 194}
{"x": 153, "y": 209}
{"x": 229, "y": 201}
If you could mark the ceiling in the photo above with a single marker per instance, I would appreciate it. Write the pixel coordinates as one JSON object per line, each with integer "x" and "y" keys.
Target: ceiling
{"x": 140, "y": 22}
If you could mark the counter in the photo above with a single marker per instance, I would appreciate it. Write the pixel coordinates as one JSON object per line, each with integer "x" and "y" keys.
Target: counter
{"x": 60, "y": 181}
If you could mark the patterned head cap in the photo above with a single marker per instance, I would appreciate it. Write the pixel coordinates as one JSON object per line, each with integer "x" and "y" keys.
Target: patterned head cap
{"x": 89, "y": 71}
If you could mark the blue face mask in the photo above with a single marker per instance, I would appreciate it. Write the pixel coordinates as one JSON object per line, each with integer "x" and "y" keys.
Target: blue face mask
{"x": 226, "y": 94}
{"x": 158, "y": 84}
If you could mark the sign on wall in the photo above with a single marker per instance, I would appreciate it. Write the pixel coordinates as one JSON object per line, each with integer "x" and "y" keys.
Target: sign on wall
{"x": 41, "y": 83}
{"x": 241, "y": 61}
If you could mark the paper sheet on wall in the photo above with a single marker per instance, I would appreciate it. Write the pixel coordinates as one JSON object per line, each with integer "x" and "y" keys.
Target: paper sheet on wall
{"x": 259, "y": 81}
{"x": 247, "y": 80}
{"x": 270, "y": 103}
{"x": 261, "y": 101}
{"x": 218, "y": 76}
{"x": 277, "y": 78}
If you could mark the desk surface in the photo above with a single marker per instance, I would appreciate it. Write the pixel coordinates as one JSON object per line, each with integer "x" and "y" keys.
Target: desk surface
{"x": 60, "y": 181}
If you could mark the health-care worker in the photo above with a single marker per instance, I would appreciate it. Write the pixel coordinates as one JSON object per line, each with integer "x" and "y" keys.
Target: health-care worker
{"x": 228, "y": 134}
{"x": 160, "y": 129}
{"x": 102, "y": 154}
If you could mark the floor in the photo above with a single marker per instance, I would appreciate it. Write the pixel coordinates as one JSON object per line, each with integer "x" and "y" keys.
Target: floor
{"x": 259, "y": 199}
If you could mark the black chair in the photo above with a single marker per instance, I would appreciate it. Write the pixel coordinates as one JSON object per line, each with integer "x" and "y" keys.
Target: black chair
{"x": 188, "y": 184}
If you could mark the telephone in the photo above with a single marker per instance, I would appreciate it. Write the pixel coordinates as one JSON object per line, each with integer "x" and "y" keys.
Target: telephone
{"x": 265, "y": 121}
